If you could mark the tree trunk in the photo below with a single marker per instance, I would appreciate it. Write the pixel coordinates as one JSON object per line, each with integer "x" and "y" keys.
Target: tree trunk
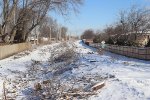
{"x": 26, "y": 37}
{"x": 1, "y": 30}
{"x": 13, "y": 35}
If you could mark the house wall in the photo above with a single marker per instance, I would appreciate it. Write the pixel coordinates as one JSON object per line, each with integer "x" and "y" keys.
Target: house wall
{"x": 141, "y": 39}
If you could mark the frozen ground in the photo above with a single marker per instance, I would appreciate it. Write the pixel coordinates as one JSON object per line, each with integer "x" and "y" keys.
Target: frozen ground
{"x": 125, "y": 78}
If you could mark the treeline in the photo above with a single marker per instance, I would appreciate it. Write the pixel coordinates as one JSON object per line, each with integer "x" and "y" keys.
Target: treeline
{"x": 50, "y": 28}
{"x": 20, "y": 17}
{"x": 130, "y": 23}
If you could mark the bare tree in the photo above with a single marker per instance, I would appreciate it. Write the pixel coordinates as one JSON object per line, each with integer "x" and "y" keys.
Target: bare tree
{"x": 88, "y": 34}
{"x": 138, "y": 19}
{"x": 123, "y": 22}
{"x": 135, "y": 20}
{"x": 50, "y": 26}
{"x": 28, "y": 14}
{"x": 64, "y": 32}
{"x": 7, "y": 15}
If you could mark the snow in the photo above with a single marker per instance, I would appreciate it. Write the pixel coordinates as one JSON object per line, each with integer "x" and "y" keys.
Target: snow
{"x": 125, "y": 78}
{"x": 45, "y": 39}
{"x": 132, "y": 76}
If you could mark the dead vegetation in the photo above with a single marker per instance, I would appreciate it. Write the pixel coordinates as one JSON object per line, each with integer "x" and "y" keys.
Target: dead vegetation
{"x": 55, "y": 89}
{"x": 63, "y": 53}
{"x": 57, "y": 86}
{"x": 61, "y": 86}
{"x": 53, "y": 79}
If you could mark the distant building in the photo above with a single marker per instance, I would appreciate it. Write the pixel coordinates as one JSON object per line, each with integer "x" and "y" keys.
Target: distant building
{"x": 88, "y": 41}
{"x": 139, "y": 39}
{"x": 33, "y": 40}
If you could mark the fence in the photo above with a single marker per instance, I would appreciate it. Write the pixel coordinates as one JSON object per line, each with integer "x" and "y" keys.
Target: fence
{"x": 95, "y": 45}
{"x": 134, "y": 52}
{"x": 9, "y": 50}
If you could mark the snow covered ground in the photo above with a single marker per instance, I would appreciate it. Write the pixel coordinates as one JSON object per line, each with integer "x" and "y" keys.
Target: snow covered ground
{"x": 125, "y": 78}
{"x": 132, "y": 76}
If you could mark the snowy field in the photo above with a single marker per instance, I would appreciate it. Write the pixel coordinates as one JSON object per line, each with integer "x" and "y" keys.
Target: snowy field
{"x": 124, "y": 78}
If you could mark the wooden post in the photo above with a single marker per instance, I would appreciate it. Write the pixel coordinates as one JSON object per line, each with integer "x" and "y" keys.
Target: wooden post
{"x": 4, "y": 91}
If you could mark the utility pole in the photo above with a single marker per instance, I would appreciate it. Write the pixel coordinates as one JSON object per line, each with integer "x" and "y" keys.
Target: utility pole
{"x": 35, "y": 36}
{"x": 69, "y": 36}
{"x": 60, "y": 33}
{"x": 50, "y": 34}
{"x": 57, "y": 35}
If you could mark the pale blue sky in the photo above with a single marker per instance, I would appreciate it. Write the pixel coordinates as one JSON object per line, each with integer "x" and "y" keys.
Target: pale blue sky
{"x": 96, "y": 14}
